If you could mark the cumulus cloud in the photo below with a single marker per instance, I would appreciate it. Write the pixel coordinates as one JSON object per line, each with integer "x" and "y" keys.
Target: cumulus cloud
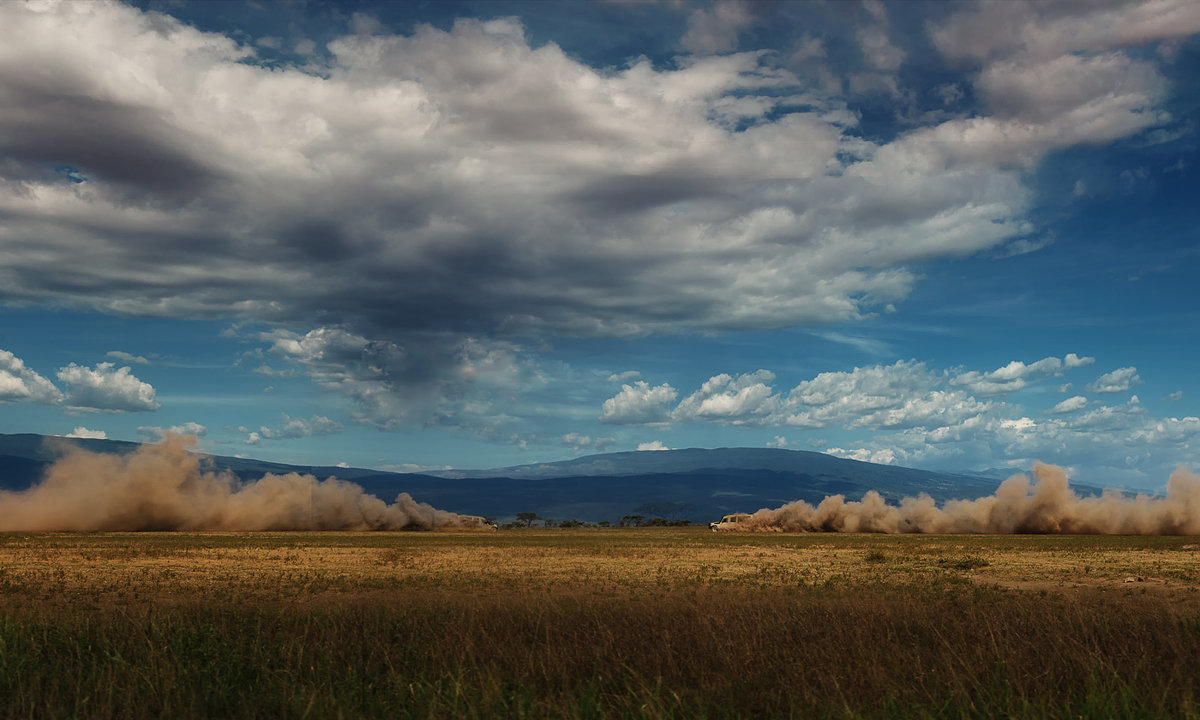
{"x": 585, "y": 443}
{"x": 639, "y": 404}
{"x": 20, "y": 384}
{"x": 157, "y": 434}
{"x": 414, "y": 207}
{"x": 1016, "y": 375}
{"x": 82, "y": 432}
{"x": 1071, "y": 404}
{"x": 880, "y": 457}
{"x": 624, "y": 376}
{"x": 106, "y": 388}
{"x": 735, "y": 400}
{"x": 294, "y": 427}
{"x": 125, "y": 357}
{"x": 907, "y": 413}
{"x": 905, "y": 394}
{"x": 652, "y": 445}
{"x": 1119, "y": 380}
{"x": 716, "y": 28}
{"x": 436, "y": 379}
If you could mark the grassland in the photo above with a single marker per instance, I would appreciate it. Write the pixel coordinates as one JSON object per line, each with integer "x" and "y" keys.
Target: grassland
{"x": 597, "y": 623}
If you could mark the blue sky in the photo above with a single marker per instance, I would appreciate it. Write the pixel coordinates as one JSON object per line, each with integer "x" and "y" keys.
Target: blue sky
{"x": 423, "y": 235}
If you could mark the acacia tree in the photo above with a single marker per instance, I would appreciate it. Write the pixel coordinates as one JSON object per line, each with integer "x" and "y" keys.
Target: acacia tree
{"x": 527, "y": 518}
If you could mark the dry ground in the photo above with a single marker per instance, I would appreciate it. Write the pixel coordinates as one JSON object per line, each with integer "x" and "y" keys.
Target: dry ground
{"x": 123, "y": 568}
{"x": 597, "y": 623}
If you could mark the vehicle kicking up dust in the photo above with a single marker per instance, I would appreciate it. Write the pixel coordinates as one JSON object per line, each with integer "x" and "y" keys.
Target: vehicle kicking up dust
{"x": 729, "y": 522}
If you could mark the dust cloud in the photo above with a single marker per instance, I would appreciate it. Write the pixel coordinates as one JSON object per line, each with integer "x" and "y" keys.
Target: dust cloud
{"x": 1046, "y": 505}
{"x": 165, "y": 486}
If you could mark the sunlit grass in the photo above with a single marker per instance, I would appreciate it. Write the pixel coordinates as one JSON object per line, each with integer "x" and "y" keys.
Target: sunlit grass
{"x": 597, "y": 623}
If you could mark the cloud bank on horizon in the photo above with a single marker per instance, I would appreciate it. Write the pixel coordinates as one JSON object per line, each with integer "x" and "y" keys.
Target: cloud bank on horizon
{"x": 410, "y": 216}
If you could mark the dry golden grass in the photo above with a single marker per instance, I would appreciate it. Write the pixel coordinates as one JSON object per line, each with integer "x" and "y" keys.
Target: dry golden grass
{"x": 112, "y": 567}
{"x": 597, "y": 623}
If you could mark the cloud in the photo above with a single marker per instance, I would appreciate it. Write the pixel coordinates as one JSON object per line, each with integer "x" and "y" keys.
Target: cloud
{"x": 442, "y": 200}
{"x": 716, "y": 29}
{"x": 82, "y": 432}
{"x": 905, "y": 394}
{"x": 127, "y": 357}
{"x": 652, "y": 445}
{"x": 156, "y": 434}
{"x": 20, "y": 384}
{"x": 778, "y": 441}
{"x": 907, "y": 413}
{"x": 989, "y": 30}
{"x": 1119, "y": 380}
{"x": 438, "y": 379}
{"x": 622, "y": 377}
{"x": 639, "y": 404}
{"x": 1069, "y": 405}
{"x": 106, "y": 389}
{"x": 584, "y": 443}
{"x": 1016, "y": 375}
{"x": 880, "y": 457}
{"x": 292, "y": 428}
{"x": 735, "y": 400}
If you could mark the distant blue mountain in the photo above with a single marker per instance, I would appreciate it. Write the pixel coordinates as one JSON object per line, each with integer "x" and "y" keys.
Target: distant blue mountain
{"x": 693, "y": 484}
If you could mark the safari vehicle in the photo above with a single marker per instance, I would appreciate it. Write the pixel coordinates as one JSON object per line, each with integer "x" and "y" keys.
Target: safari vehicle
{"x": 730, "y": 522}
{"x": 477, "y": 521}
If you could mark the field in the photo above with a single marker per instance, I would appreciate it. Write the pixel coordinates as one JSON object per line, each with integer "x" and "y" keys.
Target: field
{"x": 595, "y": 623}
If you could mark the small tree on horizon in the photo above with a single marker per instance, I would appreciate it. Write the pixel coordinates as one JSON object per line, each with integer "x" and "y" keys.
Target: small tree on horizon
{"x": 527, "y": 518}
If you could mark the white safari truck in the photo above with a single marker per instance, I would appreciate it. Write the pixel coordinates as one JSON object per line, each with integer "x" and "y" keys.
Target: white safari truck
{"x": 730, "y": 522}
{"x": 476, "y": 521}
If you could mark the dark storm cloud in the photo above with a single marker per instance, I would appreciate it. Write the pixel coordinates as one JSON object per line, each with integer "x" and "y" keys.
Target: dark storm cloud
{"x": 134, "y": 147}
{"x": 450, "y": 195}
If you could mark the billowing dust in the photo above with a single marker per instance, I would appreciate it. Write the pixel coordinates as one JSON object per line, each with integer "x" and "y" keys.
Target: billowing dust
{"x": 165, "y": 486}
{"x": 1046, "y": 505}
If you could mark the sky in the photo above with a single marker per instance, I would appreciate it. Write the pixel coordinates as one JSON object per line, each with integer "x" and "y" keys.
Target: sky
{"x": 945, "y": 235}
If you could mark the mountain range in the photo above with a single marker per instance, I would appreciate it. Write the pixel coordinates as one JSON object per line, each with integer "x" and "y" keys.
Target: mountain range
{"x": 692, "y": 484}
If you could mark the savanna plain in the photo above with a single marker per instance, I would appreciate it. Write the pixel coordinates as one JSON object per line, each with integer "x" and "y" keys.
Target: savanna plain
{"x": 598, "y": 623}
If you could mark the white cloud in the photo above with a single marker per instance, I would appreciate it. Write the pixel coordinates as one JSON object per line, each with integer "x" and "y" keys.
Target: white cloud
{"x": 778, "y": 441}
{"x": 1016, "y": 375}
{"x": 1119, "y": 380}
{"x": 1051, "y": 30}
{"x": 1069, "y": 405}
{"x": 624, "y": 376}
{"x": 695, "y": 197}
{"x": 1072, "y": 361}
{"x": 432, "y": 196}
{"x": 82, "y": 432}
{"x": 652, "y": 445}
{"x": 20, "y": 384}
{"x": 723, "y": 398}
{"x": 639, "y": 404}
{"x": 106, "y": 389}
{"x": 155, "y": 433}
{"x": 881, "y": 457}
{"x": 905, "y": 394}
{"x": 127, "y": 357}
{"x": 584, "y": 443}
{"x": 716, "y": 29}
{"x": 295, "y": 427}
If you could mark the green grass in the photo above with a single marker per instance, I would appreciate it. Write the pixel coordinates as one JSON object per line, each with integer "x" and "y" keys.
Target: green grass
{"x": 595, "y": 624}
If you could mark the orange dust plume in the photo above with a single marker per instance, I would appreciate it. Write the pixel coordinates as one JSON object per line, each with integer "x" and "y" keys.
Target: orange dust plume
{"x": 166, "y": 487}
{"x": 1047, "y": 505}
